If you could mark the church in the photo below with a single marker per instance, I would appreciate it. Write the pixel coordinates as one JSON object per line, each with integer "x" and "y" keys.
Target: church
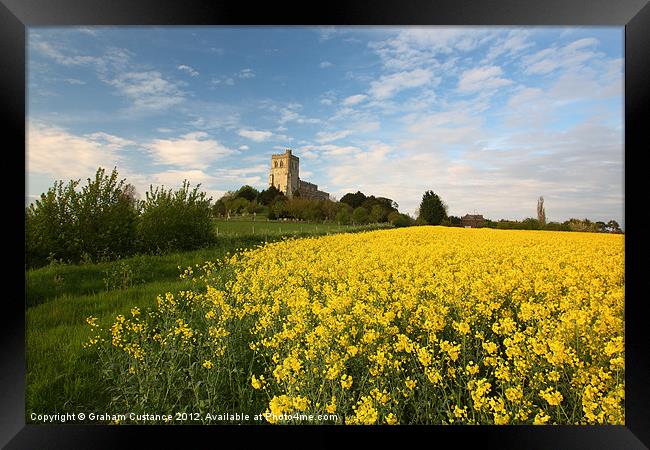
{"x": 285, "y": 177}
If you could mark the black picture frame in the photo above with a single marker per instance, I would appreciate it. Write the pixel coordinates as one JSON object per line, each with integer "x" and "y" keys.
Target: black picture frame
{"x": 634, "y": 15}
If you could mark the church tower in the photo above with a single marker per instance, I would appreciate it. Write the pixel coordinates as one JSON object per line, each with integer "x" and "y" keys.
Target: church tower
{"x": 284, "y": 173}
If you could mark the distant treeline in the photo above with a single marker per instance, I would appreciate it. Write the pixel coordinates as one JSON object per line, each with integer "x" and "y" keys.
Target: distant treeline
{"x": 530, "y": 223}
{"x": 352, "y": 209}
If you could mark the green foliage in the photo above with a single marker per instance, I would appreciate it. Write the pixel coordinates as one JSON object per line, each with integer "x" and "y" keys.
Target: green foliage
{"x": 432, "y": 210}
{"x": 267, "y": 196}
{"x": 530, "y": 224}
{"x": 343, "y": 216}
{"x": 247, "y": 192}
{"x": 354, "y": 200}
{"x": 219, "y": 208}
{"x": 178, "y": 220}
{"x": 584, "y": 225}
{"x": 360, "y": 216}
{"x": 555, "y": 226}
{"x": 98, "y": 222}
{"x": 377, "y": 208}
{"x": 400, "y": 220}
{"x": 377, "y": 214}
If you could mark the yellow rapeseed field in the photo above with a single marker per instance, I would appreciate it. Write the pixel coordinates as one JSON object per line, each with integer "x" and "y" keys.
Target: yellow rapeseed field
{"x": 428, "y": 325}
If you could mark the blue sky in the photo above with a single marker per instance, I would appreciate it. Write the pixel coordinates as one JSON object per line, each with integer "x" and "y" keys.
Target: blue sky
{"x": 489, "y": 118}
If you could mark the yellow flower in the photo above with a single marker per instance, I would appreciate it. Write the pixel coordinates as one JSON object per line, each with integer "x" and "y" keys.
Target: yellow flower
{"x": 541, "y": 418}
{"x": 460, "y": 413}
{"x": 471, "y": 368}
{"x": 461, "y": 327}
{"x": 514, "y": 394}
{"x": 424, "y": 356}
{"x": 346, "y": 381}
{"x": 552, "y": 396}
{"x": 331, "y": 406}
{"x": 391, "y": 419}
{"x": 410, "y": 383}
{"x": 208, "y": 364}
{"x": 365, "y": 411}
{"x": 257, "y": 383}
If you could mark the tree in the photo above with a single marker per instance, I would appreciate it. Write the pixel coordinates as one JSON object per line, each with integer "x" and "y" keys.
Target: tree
{"x": 613, "y": 227}
{"x": 219, "y": 208}
{"x": 247, "y": 192}
{"x": 360, "y": 216}
{"x": 376, "y": 214}
{"x": 267, "y": 196}
{"x": 354, "y": 200}
{"x": 432, "y": 210}
{"x": 530, "y": 223}
{"x": 343, "y": 216}
{"x": 456, "y": 221}
{"x": 400, "y": 220}
{"x": 541, "y": 214}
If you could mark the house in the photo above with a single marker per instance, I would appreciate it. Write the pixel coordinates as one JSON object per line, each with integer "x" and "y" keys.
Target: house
{"x": 472, "y": 221}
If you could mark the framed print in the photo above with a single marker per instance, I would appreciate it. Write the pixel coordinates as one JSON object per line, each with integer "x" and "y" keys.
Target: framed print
{"x": 406, "y": 217}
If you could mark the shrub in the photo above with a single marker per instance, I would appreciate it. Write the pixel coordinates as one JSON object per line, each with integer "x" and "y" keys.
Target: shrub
{"x": 178, "y": 220}
{"x": 99, "y": 222}
{"x": 400, "y": 220}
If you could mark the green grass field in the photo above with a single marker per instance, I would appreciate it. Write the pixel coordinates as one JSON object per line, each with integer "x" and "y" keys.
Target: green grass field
{"x": 61, "y": 375}
{"x": 262, "y": 227}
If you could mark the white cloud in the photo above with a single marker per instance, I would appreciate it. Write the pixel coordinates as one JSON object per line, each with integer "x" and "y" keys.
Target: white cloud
{"x": 74, "y": 81}
{"x": 289, "y": 113}
{"x": 244, "y": 147}
{"x": 110, "y": 141}
{"x": 421, "y": 46}
{"x": 189, "y": 70}
{"x": 389, "y": 85}
{"x": 354, "y": 99}
{"x": 255, "y": 135}
{"x": 513, "y": 43}
{"x": 481, "y": 79}
{"x": 246, "y": 73}
{"x": 325, "y": 64}
{"x": 323, "y": 136}
{"x": 148, "y": 90}
{"x": 571, "y": 55}
{"x": 326, "y": 33}
{"x": 193, "y": 150}
{"x": 63, "y": 155}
